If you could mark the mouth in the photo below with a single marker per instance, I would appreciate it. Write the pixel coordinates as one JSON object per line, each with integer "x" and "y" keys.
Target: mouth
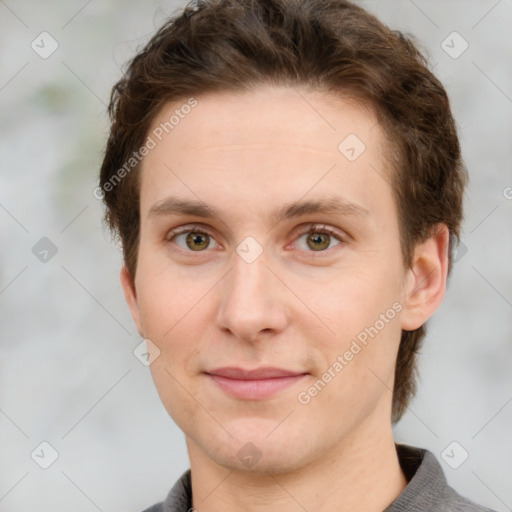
{"x": 254, "y": 384}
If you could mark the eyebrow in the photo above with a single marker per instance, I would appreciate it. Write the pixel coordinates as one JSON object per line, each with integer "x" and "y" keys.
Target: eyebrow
{"x": 331, "y": 205}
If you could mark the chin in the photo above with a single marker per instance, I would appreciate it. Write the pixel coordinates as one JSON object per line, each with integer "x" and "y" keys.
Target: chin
{"x": 269, "y": 459}
{"x": 253, "y": 450}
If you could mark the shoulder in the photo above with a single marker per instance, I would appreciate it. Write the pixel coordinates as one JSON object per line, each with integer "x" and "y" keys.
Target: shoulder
{"x": 454, "y": 502}
{"x": 158, "y": 507}
{"x": 179, "y": 498}
{"x": 427, "y": 487}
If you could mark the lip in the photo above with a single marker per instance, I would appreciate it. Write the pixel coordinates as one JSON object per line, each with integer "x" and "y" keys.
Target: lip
{"x": 255, "y": 384}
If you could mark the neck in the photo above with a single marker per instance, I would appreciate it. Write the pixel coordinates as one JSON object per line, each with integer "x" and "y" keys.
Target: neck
{"x": 355, "y": 476}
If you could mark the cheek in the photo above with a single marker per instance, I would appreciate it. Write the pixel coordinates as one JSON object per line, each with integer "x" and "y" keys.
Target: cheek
{"x": 352, "y": 299}
{"x": 357, "y": 375}
{"x": 174, "y": 391}
{"x": 171, "y": 322}
{"x": 362, "y": 310}
{"x": 164, "y": 299}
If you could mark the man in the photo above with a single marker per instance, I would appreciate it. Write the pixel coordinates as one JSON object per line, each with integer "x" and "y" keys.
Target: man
{"x": 286, "y": 181}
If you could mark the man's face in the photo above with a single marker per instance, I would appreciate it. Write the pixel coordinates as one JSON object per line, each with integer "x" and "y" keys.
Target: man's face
{"x": 208, "y": 299}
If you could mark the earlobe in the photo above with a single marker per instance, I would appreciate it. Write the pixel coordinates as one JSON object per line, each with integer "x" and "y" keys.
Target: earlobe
{"x": 426, "y": 283}
{"x": 130, "y": 295}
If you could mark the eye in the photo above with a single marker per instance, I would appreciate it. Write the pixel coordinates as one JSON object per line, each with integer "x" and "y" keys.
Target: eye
{"x": 196, "y": 238}
{"x": 319, "y": 238}
{"x": 192, "y": 238}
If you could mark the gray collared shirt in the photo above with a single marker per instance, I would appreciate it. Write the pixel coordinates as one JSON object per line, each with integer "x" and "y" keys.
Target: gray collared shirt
{"x": 427, "y": 489}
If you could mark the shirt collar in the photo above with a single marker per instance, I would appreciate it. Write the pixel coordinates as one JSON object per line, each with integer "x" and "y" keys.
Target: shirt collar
{"x": 425, "y": 477}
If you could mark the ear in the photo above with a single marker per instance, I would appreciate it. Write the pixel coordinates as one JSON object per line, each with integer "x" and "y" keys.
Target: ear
{"x": 426, "y": 279}
{"x": 130, "y": 295}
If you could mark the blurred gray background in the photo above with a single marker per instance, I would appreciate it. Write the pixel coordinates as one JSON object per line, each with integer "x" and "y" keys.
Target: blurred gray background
{"x": 68, "y": 376}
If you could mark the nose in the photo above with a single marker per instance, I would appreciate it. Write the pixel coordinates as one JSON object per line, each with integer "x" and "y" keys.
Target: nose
{"x": 253, "y": 300}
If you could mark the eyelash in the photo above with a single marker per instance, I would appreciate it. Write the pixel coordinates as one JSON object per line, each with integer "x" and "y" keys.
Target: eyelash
{"x": 309, "y": 229}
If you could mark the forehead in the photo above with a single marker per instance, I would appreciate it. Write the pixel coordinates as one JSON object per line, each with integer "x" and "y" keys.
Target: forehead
{"x": 277, "y": 143}
{"x": 293, "y": 114}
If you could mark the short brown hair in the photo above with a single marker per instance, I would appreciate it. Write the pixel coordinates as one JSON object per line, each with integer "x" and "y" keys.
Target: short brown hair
{"x": 326, "y": 45}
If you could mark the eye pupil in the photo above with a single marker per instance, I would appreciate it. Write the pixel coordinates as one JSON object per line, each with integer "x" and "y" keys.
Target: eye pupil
{"x": 318, "y": 238}
{"x": 194, "y": 241}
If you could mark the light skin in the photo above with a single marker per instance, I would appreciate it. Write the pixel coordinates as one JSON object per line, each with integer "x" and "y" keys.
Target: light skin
{"x": 297, "y": 306}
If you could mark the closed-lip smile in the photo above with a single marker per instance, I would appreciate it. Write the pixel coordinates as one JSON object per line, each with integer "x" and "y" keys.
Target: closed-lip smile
{"x": 254, "y": 384}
